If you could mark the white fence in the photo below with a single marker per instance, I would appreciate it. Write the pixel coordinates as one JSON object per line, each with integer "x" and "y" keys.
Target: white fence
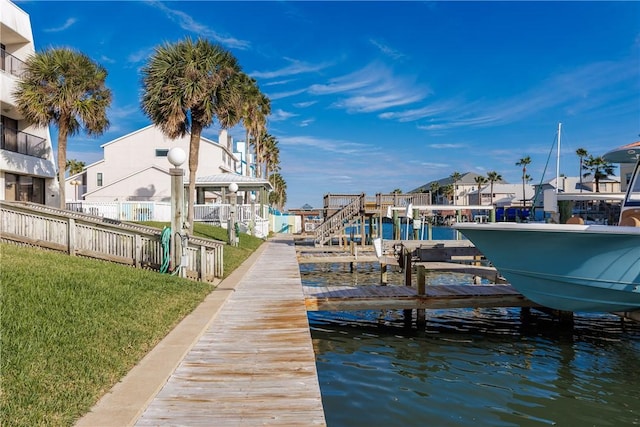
{"x": 218, "y": 214}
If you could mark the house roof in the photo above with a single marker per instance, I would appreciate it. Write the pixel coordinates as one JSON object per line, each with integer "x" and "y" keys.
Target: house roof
{"x": 203, "y": 139}
{"x": 245, "y": 183}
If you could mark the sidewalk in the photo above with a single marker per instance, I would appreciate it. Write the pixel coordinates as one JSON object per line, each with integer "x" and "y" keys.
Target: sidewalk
{"x": 127, "y": 400}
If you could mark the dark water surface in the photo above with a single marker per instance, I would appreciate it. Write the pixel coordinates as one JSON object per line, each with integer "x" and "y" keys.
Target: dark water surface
{"x": 480, "y": 367}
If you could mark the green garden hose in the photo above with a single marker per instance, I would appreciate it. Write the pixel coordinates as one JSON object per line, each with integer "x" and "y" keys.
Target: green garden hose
{"x": 166, "y": 252}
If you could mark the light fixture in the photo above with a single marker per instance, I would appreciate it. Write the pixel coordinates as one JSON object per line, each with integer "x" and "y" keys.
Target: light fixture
{"x": 176, "y": 156}
{"x": 233, "y": 187}
{"x": 252, "y": 197}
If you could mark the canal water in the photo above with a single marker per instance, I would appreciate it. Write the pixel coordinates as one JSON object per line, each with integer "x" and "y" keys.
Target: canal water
{"x": 471, "y": 367}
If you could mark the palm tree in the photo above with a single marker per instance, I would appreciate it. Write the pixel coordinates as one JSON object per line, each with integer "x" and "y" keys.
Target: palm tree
{"x": 64, "y": 88}
{"x": 253, "y": 107}
{"x": 74, "y": 166}
{"x": 449, "y": 191}
{"x": 493, "y": 177}
{"x": 524, "y": 162}
{"x": 260, "y": 128}
{"x": 185, "y": 86}
{"x": 270, "y": 154}
{"x": 599, "y": 168}
{"x": 434, "y": 188}
{"x": 582, "y": 153}
{"x": 480, "y": 180}
{"x": 456, "y": 176}
{"x": 278, "y": 197}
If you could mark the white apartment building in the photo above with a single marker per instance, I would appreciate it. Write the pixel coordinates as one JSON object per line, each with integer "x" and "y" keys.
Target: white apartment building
{"x": 135, "y": 167}
{"x": 27, "y": 160}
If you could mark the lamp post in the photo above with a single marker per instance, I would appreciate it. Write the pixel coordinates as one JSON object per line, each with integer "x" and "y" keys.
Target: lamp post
{"x": 233, "y": 239}
{"x": 177, "y": 157}
{"x": 75, "y": 184}
{"x": 252, "y": 197}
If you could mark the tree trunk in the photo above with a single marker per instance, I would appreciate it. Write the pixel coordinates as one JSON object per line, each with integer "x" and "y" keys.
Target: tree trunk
{"x": 194, "y": 149}
{"x": 246, "y": 154}
{"x": 62, "y": 162}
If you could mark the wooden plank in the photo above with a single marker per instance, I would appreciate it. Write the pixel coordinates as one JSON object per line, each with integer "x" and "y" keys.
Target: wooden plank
{"x": 255, "y": 365}
{"x": 336, "y": 259}
{"x": 405, "y": 297}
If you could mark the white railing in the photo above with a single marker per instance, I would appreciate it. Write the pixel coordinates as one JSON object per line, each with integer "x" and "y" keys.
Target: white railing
{"x": 217, "y": 214}
{"x": 125, "y": 211}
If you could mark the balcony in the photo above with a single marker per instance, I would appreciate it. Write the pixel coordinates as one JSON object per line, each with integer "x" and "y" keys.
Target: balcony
{"x": 23, "y": 143}
{"x": 11, "y": 64}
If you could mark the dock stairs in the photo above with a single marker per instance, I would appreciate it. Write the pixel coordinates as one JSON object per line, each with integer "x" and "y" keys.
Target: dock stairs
{"x": 339, "y": 220}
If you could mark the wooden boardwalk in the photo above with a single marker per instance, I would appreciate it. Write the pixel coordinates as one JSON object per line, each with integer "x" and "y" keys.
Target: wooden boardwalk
{"x": 255, "y": 365}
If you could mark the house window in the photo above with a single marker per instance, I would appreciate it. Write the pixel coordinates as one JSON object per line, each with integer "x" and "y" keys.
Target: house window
{"x": 99, "y": 179}
{"x": 162, "y": 152}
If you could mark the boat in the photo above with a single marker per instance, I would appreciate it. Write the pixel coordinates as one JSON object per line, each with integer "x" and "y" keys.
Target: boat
{"x": 571, "y": 267}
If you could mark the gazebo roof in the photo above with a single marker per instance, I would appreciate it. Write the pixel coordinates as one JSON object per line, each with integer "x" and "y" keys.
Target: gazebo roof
{"x": 222, "y": 180}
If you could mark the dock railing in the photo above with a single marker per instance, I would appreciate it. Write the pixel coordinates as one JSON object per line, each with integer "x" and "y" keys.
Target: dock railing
{"x": 338, "y": 220}
{"x": 80, "y": 234}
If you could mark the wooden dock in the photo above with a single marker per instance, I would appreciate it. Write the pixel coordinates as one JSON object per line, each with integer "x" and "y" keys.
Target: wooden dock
{"x": 432, "y": 256}
{"x": 255, "y": 365}
{"x": 381, "y": 297}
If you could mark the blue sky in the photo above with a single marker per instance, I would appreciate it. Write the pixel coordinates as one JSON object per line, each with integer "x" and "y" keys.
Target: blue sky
{"x": 374, "y": 96}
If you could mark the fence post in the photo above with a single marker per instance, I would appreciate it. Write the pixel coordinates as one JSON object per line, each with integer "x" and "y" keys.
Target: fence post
{"x": 71, "y": 236}
{"x": 137, "y": 250}
{"x": 203, "y": 263}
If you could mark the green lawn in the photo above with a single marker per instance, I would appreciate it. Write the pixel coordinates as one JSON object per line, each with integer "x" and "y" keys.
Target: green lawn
{"x": 71, "y": 327}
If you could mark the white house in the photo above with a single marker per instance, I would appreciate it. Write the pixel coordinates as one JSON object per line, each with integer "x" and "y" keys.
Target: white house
{"x": 466, "y": 188}
{"x": 27, "y": 160}
{"x": 135, "y": 167}
{"x": 245, "y": 165}
{"x": 503, "y": 195}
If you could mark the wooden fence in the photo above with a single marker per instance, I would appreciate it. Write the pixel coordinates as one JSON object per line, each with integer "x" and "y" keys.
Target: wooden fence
{"x": 80, "y": 234}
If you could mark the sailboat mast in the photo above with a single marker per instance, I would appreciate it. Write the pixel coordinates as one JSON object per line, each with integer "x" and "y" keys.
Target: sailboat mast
{"x": 558, "y": 159}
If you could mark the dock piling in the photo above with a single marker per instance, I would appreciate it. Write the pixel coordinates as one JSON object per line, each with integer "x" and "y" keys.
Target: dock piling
{"x": 421, "y": 318}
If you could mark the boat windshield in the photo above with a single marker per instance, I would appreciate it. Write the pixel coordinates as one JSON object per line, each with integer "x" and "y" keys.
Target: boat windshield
{"x": 633, "y": 193}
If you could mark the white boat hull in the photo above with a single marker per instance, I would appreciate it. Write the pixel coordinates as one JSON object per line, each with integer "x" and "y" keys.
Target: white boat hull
{"x": 565, "y": 267}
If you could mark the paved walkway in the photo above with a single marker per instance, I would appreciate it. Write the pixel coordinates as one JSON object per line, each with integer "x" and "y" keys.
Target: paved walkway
{"x": 244, "y": 357}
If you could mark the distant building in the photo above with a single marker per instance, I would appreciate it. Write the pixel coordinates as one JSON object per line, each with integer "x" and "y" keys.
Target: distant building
{"x": 465, "y": 187}
{"x": 27, "y": 162}
{"x": 245, "y": 165}
{"x": 135, "y": 167}
{"x": 504, "y": 195}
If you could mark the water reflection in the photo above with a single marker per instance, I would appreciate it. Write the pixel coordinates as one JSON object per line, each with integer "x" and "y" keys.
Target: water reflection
{"x": 486, "y": 367}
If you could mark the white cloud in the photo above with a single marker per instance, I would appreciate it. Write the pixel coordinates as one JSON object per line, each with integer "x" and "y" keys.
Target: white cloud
{"x": 295, "y": 68}
{"x": 387, "y": 50}
{"x": 279, "y": 115}
{"x": 186, "y": 22}
{"x": 140, "y": 55}
{"x": 333, "y": 146}
{"x": 68, "y": 23}
{"x": 304, "y": 104}
{"x": 446, "y": 146}
{"x": 372, "y": 88}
